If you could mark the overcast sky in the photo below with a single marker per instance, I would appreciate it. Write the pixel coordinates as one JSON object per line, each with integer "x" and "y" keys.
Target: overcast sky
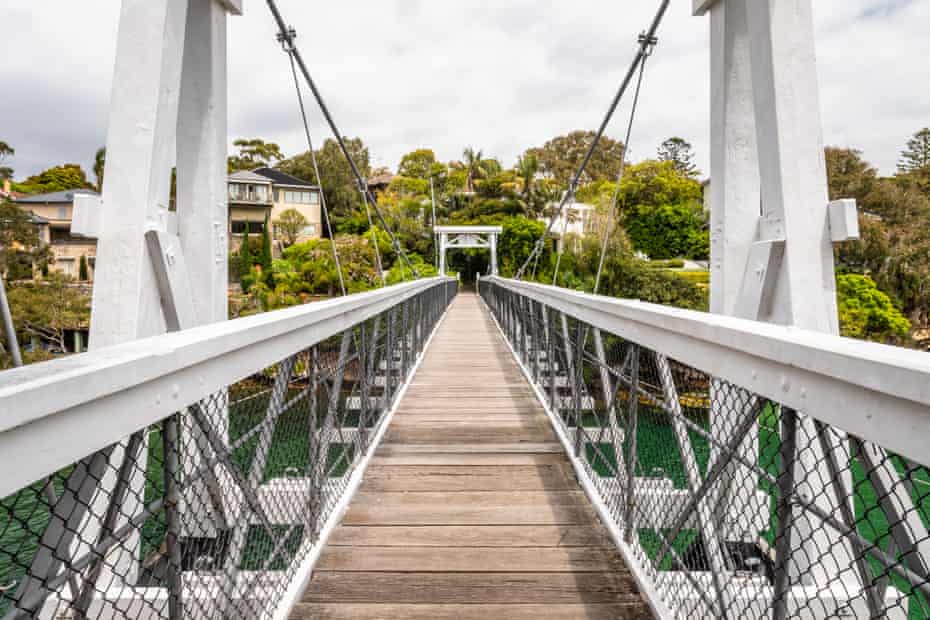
{"x": 499, "y": 75}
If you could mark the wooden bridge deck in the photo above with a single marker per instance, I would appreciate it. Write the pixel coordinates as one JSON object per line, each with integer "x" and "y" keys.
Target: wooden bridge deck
{"x": 469, "y": 508}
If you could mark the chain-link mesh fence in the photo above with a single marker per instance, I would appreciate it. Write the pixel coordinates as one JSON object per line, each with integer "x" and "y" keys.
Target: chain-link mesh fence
{"x": 733, "y": 504}
{"x": 210, "y": 512}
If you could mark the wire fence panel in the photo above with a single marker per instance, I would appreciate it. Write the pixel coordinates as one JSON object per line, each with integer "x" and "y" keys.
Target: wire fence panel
{"x": 731, "y": 503}
{"x": 212, "y": 511}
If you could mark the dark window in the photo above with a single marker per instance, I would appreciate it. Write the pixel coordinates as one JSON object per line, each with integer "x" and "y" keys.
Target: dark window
{"x": 238, "y": 228}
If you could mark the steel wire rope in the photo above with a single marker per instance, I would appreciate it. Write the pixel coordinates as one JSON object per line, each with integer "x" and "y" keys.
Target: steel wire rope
{"x": 608, "y": 227}
{"x": 288, "y": 48}
{"x": 644, "y": 42}
{"x": 287, "y": 35}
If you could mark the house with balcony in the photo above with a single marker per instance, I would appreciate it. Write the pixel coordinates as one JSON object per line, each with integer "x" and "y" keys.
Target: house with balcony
{"x": 52, "y": 214}
{"x": 255, "y": 195}
{"x": 576, "y": 221}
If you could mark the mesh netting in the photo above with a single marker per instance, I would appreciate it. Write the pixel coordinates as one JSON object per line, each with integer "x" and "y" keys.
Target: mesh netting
{"x": 733, "y": 504}
{"x": 210, "y": 512}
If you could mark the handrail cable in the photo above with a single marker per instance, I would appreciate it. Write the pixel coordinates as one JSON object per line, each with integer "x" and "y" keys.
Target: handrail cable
{"x": 644, "y": 45}
{"x": 287, "y": 35}
{"x": 288, "y": 48}
{"x": 626, "y": 147}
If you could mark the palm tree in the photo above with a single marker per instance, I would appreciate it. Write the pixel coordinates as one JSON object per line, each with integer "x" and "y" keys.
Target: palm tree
{"x": 527, "y": 167}
{"x": 100, "y": 159}
{"x": 474, "y": 167}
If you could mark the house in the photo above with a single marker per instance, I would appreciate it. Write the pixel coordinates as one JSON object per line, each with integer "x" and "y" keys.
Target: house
{"x": 378, "y": 183}
{"x": 255, "y": 195}
{"x": 52, "y": 214}
{"x": 577, "y": 218}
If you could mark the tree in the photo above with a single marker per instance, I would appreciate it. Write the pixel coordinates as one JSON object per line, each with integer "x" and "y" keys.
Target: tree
{"x": 679, "y": 151}
{"x": 82, "y": 269}
{"x": 264, "y": 259}
{"x": 340, "y": 188}
{"x": 417, "y": 164}
{"x": 560, "y": 157}
{"x": 100, "y": 160}
{"x": 6, "y": 151}
{"x": 21, "y": 250}
{"x": 848, "y": 175}
{"x": 916, "y": 157}
{"x": 47, "y": 309}
{"x": 668, "y": 231}
{"x": 253, "y": 153}
{"x": 473, "y": 165}
{"x": 55, "y": 179}
{"x": 290, "y": 224}
{"x": 245, "y": 255}
{"x": 866, "y": 312}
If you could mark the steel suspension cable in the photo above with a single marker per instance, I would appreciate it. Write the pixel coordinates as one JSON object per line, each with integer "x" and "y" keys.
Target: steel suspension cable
{"x": 286, "y": 36}
{"x": 616, "y": 195}
{"x": 644, "y": 39}
{"x": 374, "y": 240}
{"x": 316, "y": 172}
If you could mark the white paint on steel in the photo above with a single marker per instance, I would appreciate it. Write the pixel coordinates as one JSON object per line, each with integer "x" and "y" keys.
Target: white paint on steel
{"x": 878, "y": 392}
{"x": 96, "y": 398}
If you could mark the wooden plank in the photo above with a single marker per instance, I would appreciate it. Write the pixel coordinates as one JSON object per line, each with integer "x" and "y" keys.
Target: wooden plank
{"x": 440, "y": 451}
{"x": 366, "y": 611}
{"x": 470, "y": 559}
{"x": 470, "y": 536}
{"x": 474, "y": 498}
{"x": 468, "y": 514}
{"x": 514, "y": 478}
{"x": 397, "y": 587}
{"x": 464, "y": 458}
{"x": 469, "y": 508}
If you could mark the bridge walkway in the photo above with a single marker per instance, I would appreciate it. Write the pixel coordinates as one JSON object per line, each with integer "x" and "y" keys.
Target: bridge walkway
{"x": 469, "y": 508}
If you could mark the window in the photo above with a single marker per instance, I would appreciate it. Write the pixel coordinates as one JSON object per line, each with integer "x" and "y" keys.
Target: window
{"x": 238, "y": 227}
{"x": 299, "y": 197}
{"x": 309, "y": 229}
{"x": 242, "y": 192}
{"x": 62, "y": 213}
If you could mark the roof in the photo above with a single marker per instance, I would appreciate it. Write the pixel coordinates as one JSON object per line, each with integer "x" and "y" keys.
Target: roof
{"x": 247, "y": 176}
{"x": 53, "y": 197}
{"x": 381, "y": 179}
{"x": 282, "y": 178}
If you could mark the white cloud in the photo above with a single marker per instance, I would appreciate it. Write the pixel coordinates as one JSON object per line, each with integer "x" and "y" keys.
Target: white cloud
{"x": 497, "y": 75}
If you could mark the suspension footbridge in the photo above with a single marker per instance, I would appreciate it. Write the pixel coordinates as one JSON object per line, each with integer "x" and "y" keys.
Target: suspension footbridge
{"x": 417, "y": 451}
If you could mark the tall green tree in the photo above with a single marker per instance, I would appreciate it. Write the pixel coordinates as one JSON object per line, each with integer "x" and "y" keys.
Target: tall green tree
{"x": 265, "y": 258}
{"x": 21, "y": 250}
{"x": 418, "y": 164}
{"x": 290, "y": 223}
{"x": 866, "y": 312}
{"x": 339, "y": 186}
{"x": 680, "y": 152}
{"x": 473, "y": 164}
{"x": 100, "y": 161}
{"x": 561, "y": 156}
{"x": 916, "y": 156}
{"x": 253, "y": 153}
{"x": 5, "y": 151}
{"x": 245, "y": 255}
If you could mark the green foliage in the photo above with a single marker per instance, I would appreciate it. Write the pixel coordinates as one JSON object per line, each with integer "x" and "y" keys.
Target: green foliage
{"x": 409, "y": 186}
{"x": 516, "y": 242}
{"x": 47, "y": 308}
{"x": 680, "y": 153}
{"x": 418, "y": 164}
{"x": 21, "y": 249}
{"x": 100, "y": 161}
{"x": 289, "y": 225}
{"x": 82, "y": 269}
{"x": 264, "y": 258}
{"x": 667, "y": 231}
{"x": 560, "y": 157}
{"x": 399, "y": 272}
{"x": 253, "y": 153}
{"x": 916, "y": 156}
{"x": 866, "y": 312}
{"x": 245, "y": 257}
{"x": 55, "y": 179}
{"x": 675, "y": 263}
{"x": 308, "y": 268}
{"x": 339, "y": 186}
{"x": 6, "y": 151}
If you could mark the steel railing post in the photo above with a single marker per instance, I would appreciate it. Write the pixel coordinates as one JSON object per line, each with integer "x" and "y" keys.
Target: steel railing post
{"x": 787, "y": 453}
